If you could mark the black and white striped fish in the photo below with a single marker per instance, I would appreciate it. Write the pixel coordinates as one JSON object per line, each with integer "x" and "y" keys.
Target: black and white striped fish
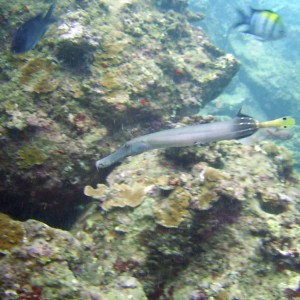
{"x": 264, "y": 24}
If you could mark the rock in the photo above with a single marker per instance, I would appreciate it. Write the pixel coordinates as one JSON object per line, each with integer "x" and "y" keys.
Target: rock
{"x": 117, "y": 64}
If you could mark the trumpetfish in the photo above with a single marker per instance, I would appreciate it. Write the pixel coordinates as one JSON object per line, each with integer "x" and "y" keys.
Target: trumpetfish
{"x": 237, "y": 128}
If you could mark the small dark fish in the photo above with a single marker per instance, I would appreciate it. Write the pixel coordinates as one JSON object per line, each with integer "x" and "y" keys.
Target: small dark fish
{"x": 264, "y": 24}
{"x": 30, "y": 32}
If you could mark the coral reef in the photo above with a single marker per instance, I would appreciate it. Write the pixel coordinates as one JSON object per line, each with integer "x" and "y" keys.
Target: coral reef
{"x": 163, "y": 230}
{"x": 46, "y": 253}
{"x": 203, "y": 224}
{"x": 130, "y": 65}
{"x": 219, "y": 221}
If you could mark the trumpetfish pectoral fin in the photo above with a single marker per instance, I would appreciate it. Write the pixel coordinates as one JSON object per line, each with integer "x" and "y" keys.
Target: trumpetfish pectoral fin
{"x": 284, "y": 122}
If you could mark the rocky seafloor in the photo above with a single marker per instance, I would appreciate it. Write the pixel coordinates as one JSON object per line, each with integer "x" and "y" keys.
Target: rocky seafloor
{"x": 218, "y": 222}
{"x": 214, "y": 222}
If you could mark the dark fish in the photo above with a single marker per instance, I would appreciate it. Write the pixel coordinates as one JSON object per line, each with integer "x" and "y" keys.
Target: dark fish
{"x": 264, "y": 24}
{"x": 30, "y": 32}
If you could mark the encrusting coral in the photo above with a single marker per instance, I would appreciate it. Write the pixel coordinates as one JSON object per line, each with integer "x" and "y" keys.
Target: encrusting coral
{"x": 122, "y": 195}
{"x": 97, "y": 193}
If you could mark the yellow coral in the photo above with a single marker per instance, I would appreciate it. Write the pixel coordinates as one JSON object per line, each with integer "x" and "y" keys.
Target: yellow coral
{"x": 117, "y": 97}
{"x": 96, "y": 193}
{"x": 125, "y": 195}
{"x": 119, "y": 195}
{"x": 207, "y": 195}
{"x": 111, "y": 80}
{"x": 33, "y": 67}
{"x": 206, "y": 199}
{"x": 43, "y": 85}
{"x": 213, "y": 175}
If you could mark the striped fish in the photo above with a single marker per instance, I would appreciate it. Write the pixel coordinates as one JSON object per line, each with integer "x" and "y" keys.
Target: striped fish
{"x": 264, "y": 24}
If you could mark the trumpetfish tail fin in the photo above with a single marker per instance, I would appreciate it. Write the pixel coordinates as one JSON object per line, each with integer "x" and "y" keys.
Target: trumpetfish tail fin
{"x": 284, "y": 122}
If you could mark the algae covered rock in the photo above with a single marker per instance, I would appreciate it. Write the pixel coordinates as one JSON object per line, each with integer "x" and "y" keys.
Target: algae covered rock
{"x": 12, "y": 233}
{"x": 40, "y": 262}
{"x": 171, "y": 212}
{"x": 132, "y": 65}
{"x": 38, "y": 265}
{"x": 197, "y": 229}
{"x": 202, "y": 229}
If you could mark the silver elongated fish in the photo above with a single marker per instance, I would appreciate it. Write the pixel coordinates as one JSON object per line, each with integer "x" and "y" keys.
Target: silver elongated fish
{"x": 239, "y": 127}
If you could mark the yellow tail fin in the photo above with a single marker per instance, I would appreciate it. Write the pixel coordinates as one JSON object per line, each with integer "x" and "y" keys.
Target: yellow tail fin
{"x": 284, "y": 122}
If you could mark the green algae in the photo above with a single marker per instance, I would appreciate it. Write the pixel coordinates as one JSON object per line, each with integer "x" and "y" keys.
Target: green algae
{"x": 11, "y": 233}
{"x": 30, "y": 156}
{"x": 271, "y": 149}
{"x": 170, "y": 212}
{"x": 283, "y": 159}
{"x": 110, "y": 80}
{"x": 35, "y": 66}
{"x": 9, "y": 107}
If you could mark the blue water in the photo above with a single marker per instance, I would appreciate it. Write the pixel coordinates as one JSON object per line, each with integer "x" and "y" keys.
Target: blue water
{"x": 267, "y": 84}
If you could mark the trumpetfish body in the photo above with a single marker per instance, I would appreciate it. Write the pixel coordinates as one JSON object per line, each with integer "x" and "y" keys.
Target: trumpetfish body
{"x": 239, "y": 127}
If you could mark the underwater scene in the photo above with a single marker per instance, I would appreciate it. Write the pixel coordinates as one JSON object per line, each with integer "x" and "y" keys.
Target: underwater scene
{"x": 149, "y": 150}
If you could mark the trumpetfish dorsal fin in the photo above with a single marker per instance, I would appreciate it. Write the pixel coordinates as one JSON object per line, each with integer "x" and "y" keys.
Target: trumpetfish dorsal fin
{"x": 241, "y": 115}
